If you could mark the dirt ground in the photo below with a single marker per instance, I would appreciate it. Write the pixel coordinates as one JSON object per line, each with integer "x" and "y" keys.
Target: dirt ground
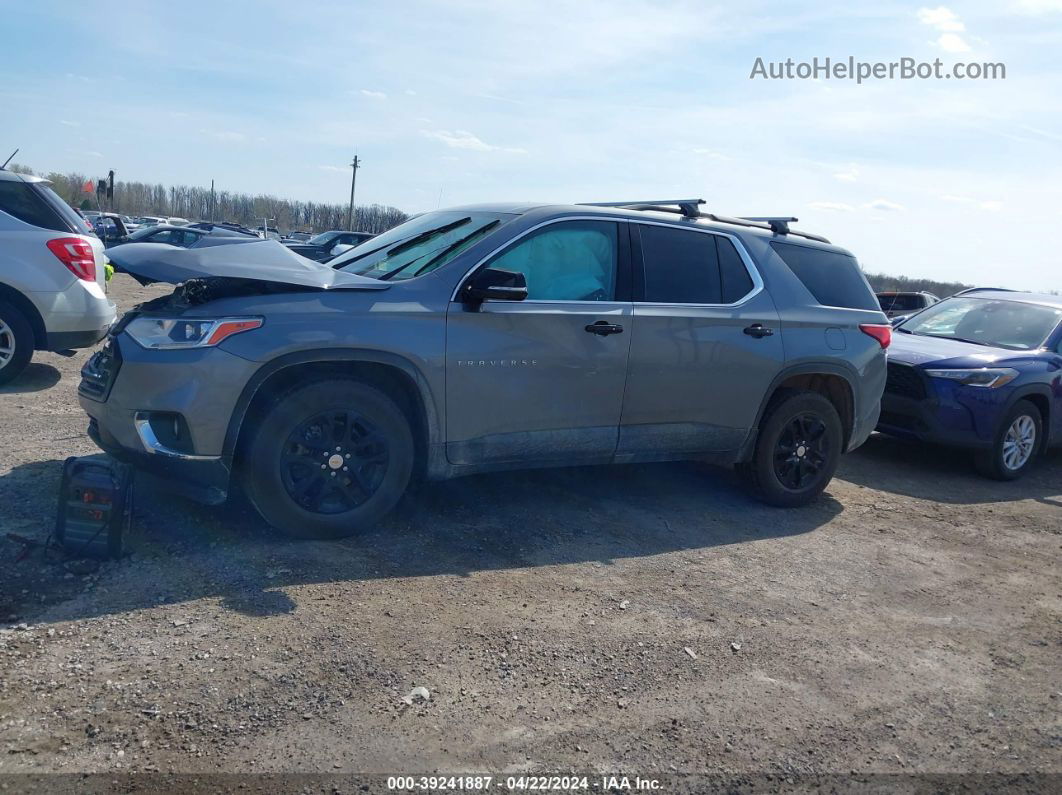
{"x": 647, "y": 620}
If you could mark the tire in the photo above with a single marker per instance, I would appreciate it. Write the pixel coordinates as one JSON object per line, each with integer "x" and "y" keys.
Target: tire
{"x": 800, "y": 433}
{"x": 16, "y": 342}
{"x": 334, "y": 498}
{"x": 1013, "y": 450}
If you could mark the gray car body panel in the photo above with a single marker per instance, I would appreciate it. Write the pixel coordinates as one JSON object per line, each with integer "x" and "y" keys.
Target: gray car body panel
{"x": 518, "y": 384}
{"x": 261, "y": 260}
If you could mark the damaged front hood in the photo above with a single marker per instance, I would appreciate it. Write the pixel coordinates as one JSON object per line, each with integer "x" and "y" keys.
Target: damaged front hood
{"x": 265, "y": 261}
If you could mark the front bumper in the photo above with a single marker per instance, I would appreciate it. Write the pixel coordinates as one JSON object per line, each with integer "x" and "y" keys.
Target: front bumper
{"x": 133, "y": 395}
{"x": 936, "y": 411}
{"x": 201, "y": 478}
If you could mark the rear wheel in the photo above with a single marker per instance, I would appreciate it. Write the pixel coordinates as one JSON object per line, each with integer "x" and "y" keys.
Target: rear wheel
{"x": 16, "y": 342}
{"x": 797, "y": 450}
{"x": 329, "y": 459}
{"x": 1014, "y": 448}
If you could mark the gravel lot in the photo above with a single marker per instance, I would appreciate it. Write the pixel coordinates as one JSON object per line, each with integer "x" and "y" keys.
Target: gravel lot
{"x": 644, "y": 619}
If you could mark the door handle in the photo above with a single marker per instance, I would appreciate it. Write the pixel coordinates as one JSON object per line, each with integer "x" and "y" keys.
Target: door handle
{"x": 603, "y": 328}
{"x": 758, "y": 331}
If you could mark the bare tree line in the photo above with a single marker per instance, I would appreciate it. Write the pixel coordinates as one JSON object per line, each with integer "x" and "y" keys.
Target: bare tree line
{"x": 881, "y": 282}
{"x": 195, "y": 203}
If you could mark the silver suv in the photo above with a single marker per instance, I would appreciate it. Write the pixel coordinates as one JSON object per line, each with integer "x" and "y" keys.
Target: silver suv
{"x": 52, "y": 280}
{"x": 492, "y": 337}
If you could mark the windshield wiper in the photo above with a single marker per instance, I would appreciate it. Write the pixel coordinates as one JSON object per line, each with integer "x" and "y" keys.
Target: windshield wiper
{"x": 426, "y": 235}
{"x": 398, "y": 270}
{"x": 455, "y": 246}
{"x": 402, "y": 245}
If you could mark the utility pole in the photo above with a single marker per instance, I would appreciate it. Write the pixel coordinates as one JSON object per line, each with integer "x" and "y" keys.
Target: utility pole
{"x": 353, "y": 178}
{"x": 212, "y": 201}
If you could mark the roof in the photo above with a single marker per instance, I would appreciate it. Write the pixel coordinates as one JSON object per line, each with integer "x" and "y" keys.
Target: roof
{"x": 1046, "y": 299}
{"x": 519, "y": 208}
{"x": 14, "y": 176}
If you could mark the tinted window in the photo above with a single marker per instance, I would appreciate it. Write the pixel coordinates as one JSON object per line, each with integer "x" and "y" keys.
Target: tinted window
{"x": 732, "y": 272}
{"x": 686, "y": 267}
{"x": 834, "y": 279}
{"x": 21, "y": 200}
{"x": 681, "y": 267}
{"x": 570, "y": 261}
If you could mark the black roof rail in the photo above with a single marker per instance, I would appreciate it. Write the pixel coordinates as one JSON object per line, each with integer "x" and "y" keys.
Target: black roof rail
{"x": 688, "y": 208}
{"x": 779, "y": 225}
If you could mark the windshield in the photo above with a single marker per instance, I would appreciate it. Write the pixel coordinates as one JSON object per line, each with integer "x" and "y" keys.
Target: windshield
{"x": 420, "y": 245}
{"x": 1001, "y": 324}
{"x": 321, "y": 239}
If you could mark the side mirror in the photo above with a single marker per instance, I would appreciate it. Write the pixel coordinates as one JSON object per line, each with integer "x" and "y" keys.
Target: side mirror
{"x": 895, "y": 321}
{"x": 492, "y": 283}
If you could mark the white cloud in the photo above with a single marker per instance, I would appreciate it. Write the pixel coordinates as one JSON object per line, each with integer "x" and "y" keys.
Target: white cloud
{"x": 463, "y": 139}
{"x": 331, "y": 168}
{"x": 374, "y": 94}
{"x": 950, "y": 26}
{"x": 94, "y": 154}
{"x": 70, "y": 123}
{"x": 952, "y": 42}
{"x": 884, "y": 205}
{"x": 838, "y": 207}
{"x": 941, "y": 18}
{"x": 850, "y": 174}
{"x": 411, "y": 92}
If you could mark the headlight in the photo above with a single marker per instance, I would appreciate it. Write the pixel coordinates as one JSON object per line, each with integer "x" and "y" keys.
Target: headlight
{"x": 991, "y": 377}
{"x": 163, "y": 332}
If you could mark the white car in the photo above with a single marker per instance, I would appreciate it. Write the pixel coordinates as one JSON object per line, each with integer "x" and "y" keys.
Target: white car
{"x": 52, "y": 275}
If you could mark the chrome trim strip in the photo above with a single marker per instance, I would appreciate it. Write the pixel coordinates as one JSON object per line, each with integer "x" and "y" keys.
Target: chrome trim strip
{"x": 754, "y": 274}
{"x": 153, "y": 446}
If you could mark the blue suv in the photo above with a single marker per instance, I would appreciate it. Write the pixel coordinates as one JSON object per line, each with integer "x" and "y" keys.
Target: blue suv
{"x": 980, "y": 370}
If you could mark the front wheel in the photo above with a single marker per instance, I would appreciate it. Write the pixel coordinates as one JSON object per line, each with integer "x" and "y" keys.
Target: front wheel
{"x": 797, "y": 450}
{"x": 1014, "y": 447}
{"x": 329, "y": 459}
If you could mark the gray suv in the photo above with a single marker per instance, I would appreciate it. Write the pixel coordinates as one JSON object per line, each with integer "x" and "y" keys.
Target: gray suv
{"x": 492, "y": 337}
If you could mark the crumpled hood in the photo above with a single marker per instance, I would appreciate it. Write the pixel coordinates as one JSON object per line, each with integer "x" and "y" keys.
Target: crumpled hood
{"x": 263, "y": 260}
{"x": 918, "y": 350}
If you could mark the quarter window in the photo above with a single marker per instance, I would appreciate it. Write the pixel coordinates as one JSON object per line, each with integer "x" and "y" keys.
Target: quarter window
{"x": 567, "y": 261}
{"x": 19, "y": 199}
{"x": 832, "y": 278}
{"x": 687, "y": 267}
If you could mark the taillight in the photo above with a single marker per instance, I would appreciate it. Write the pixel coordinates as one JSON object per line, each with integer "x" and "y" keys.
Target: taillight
{"x": 882, "y": 333}
{"x": 77, "y": 255}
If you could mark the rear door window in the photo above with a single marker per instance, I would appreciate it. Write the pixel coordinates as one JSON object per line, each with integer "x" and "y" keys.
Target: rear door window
{"x": 686, "y": 267}
{"x": 22, "y": 200}
{"x": 832, "y": 278}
